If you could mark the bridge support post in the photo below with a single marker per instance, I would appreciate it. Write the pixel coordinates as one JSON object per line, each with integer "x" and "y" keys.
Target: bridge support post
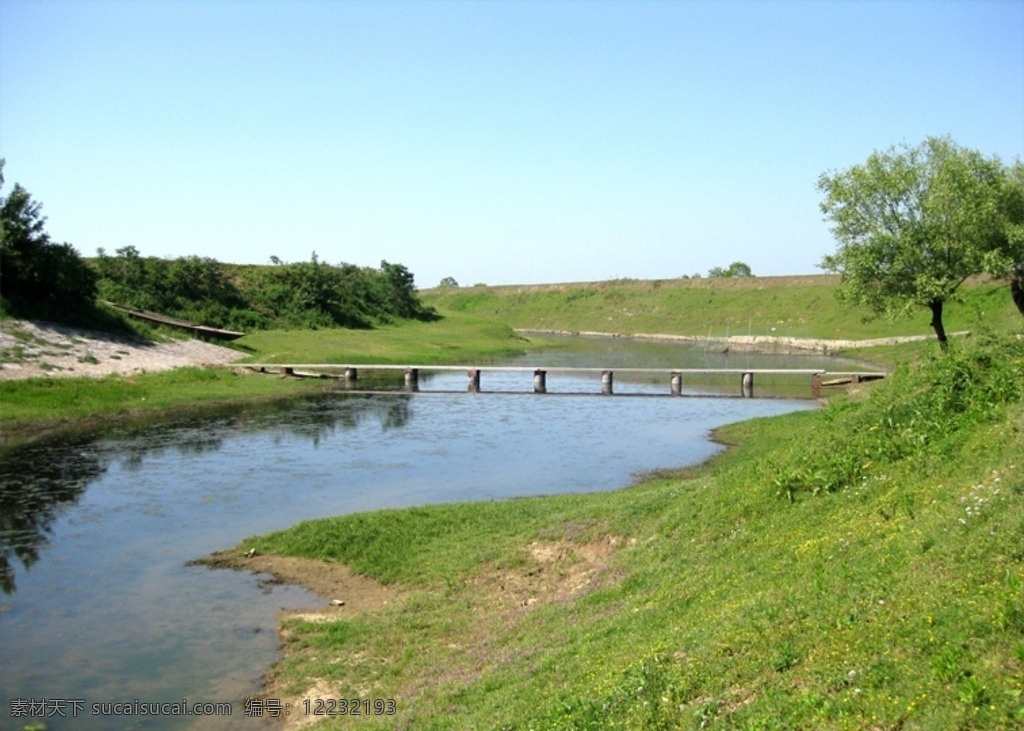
{"x": 540, "y": 384}
{"x": 287, "y": 371}
{"x": 677, "y": 383}
{"x": 351, "y": 376}
{"x": 412, "y": 379}
{"x": 816, "y": 385}
{"x": 474, "y": 380}
{"x": 606, "y": 382}
{"x": 748, "y": 384}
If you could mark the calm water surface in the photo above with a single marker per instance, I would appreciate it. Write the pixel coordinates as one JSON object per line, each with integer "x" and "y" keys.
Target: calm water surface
{"x": 98, "y": 604}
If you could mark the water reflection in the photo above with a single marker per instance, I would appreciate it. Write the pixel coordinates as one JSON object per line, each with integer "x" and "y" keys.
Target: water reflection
{"x": 38, "y": 481}
{"x": 36, "y": 484}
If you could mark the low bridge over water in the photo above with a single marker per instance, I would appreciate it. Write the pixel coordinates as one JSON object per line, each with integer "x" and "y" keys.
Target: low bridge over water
{"x": 673, "y": 377}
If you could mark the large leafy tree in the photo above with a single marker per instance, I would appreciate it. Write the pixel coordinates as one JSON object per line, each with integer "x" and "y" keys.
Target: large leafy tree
{"x": 39, "y": 278}
{"x": 1013, "y": 207}
{"x": 913, "y": 223}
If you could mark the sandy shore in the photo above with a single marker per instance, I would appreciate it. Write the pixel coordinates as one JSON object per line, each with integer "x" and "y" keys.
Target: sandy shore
{"x": 33, "y": 349}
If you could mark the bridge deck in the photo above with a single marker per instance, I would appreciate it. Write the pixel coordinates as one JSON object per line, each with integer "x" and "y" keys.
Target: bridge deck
{"x": 557, "y": 369}
{"x": 350, "y": 373}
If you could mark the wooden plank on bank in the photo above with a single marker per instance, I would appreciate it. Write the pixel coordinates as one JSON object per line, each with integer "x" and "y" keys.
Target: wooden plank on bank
{"x": 156, "y": 317}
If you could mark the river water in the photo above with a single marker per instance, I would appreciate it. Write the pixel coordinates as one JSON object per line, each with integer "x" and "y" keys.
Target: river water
{"x": 98, "y": 605}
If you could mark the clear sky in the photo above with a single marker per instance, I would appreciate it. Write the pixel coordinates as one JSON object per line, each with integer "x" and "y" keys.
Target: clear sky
{"x": 493, "y": 142}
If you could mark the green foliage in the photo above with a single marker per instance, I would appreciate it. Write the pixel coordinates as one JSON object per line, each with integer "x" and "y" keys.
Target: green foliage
{"x": 298, "y": 295}
{"x": 736, "y": 269}
{"x": 914, "y": 223}
{"x": 39, "y": 278}
{"x": 193, "y": 288}
{"x": 918, "y": 415}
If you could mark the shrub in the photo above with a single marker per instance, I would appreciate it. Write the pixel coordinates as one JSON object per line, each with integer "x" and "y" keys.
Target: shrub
{"x": 918, "y": 412}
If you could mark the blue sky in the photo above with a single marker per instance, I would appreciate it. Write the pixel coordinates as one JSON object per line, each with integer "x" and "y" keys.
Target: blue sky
{"x": 494, "y": 142}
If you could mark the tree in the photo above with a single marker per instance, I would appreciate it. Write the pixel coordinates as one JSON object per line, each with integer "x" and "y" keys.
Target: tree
{"x": 448, "y": 282}
{"x": 1013, "y": 208}
{"x": 736, "y": 269}
{"x": 39, "y": 278}
{"x": 913, "y": 223}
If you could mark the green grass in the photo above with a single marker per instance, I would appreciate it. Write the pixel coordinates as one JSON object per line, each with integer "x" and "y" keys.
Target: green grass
{"x": 791, "y": 306}
{"x": 455, "y": 339}
{"x": 721, "y": 599}
{"x": 38, "y": 405}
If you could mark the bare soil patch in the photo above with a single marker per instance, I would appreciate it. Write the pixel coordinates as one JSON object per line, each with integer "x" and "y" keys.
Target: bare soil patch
{"x": 346, "y": 592}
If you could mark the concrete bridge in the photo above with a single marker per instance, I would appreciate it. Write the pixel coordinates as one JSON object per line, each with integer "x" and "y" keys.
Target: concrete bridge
{"x": 673, "y": 377}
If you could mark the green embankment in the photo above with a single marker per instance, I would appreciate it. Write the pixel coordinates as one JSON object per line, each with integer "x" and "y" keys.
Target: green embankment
{"x": 783, "y": 306}
{"x": 861, "y": 566}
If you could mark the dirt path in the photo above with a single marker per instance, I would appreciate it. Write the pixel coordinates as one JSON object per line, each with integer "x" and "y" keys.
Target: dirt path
{"x": 32, "y": 349}
{"x": 758, "y": 343}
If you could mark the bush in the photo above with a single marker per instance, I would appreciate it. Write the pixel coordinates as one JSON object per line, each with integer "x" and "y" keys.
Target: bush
{"x": 919, "y": 412}
{"x": 302, "y": 294}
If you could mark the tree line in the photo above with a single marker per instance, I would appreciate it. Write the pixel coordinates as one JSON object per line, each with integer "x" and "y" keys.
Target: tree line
{"x": 305, "y": 294}
{"x": 41, "y": 279}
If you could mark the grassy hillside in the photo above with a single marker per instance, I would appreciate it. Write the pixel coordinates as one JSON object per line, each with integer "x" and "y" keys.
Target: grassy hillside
{"x": 870, "y": 576}
{"x": 792, "y": 306}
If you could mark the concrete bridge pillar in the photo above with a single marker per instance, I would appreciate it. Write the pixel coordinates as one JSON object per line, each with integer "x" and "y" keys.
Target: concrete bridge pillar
{"x": 607, "y": 382}
{"x": 474, "y": 380}
{"x": 677, "y": 383}
{"x": 412, "y": 379}
{"x": 748, "y": 384}
{"x": 540, "y": 384}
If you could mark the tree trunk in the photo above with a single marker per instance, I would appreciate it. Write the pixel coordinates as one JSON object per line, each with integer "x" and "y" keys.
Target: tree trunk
{"x": 1017, "y": 289}
{"x": 940, "y": 331}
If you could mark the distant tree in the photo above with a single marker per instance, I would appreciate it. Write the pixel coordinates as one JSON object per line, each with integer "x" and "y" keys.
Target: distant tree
{"x": 736, "y": 269}
{"x": 39, "y": 278}
{"x": 913, "y": 223}
{"x": 448, "y": 282}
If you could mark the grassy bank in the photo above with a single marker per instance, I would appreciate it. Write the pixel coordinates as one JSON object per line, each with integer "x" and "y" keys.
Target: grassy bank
{"x": 784, "y": 306}
{"x": 457, "y": 338}
{"x": 873, "y": 580}
{"x": 41, "y": 405}
{"x": 38, "y": 406}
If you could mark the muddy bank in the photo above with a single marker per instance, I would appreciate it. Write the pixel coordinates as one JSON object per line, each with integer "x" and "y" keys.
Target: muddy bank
{"x": 344, "y": 592}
